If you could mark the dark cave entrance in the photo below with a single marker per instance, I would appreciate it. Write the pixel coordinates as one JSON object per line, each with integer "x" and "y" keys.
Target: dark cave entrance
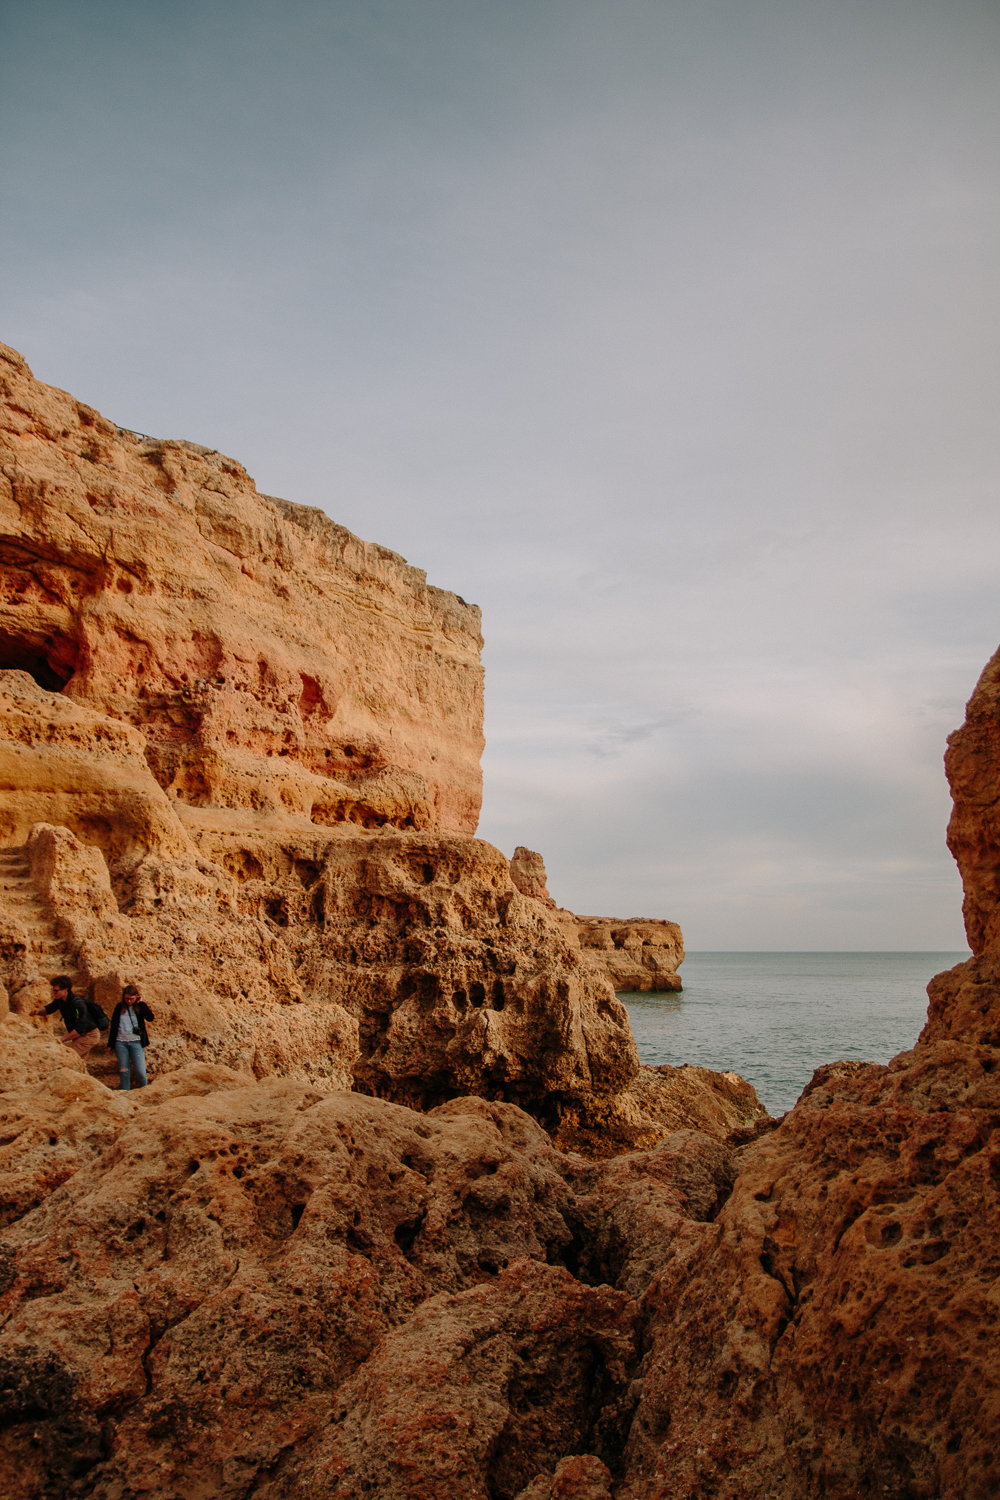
{"x": 49, "y": 659}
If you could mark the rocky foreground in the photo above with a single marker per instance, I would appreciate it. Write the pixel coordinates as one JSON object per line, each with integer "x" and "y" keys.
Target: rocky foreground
{"x": 400, "y": 1215}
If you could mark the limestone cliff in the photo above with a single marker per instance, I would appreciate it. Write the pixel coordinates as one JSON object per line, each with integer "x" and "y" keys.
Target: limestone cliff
{"x": 274, "y": 662}
{"x": 632, "y": 953}
{"x": 239, "y": 764}
{"x": 263, "y": 1288}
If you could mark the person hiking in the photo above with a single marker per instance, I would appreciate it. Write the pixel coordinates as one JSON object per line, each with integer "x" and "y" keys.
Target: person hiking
{"x": 82, "y": 1031}
{"x": 128, "y": 1037}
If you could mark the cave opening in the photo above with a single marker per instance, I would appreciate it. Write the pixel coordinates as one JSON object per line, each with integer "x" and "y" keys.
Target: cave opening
{"x": 49, "y": 659}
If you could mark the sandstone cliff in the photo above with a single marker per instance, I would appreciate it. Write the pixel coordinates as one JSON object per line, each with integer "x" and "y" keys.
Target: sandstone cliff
{"x": 274, "y": 662}
{"x": 239, "y": 765}
{"x": 247, "y": 1280}
{"x": 238, "y": 1288}
{"x": 634, "y": 953}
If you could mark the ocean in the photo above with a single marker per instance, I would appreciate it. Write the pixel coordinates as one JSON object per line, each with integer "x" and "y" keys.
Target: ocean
{"x": 774, "y": 1017}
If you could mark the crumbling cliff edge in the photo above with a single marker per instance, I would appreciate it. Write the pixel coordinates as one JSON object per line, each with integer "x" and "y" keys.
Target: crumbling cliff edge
{"x": 248, "y": 1280}
{"x": 632, "y": 953}
{"x": 239, "y": 765}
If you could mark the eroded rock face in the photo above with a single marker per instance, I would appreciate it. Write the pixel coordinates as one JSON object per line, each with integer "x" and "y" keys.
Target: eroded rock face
{"x": 831, "y": 1331}
{"x": 458, "y": 983}
{"x": 658, "y": 1101}
{"x": 637, "y": 953}
{"x": 263, "y": 1289}
{"x": 260, "y": 1289}
{"x": 239, "y": 766}
{"x": 527, "y": 871}
{"x": 965, "y": 1001}
{"x": 245, "y": 1281}
{"x": 407, "y": 963}
{"x": 273, "y": 661}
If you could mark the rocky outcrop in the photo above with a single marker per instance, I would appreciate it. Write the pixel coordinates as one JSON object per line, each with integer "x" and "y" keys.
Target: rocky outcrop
{"x": 410, "y": 963}
{"x": 830, "y": 1331}
{"x": 406, "y": 963}
{"x": 634, "y": 953}
{"x": 965, "y": 1001}
{"x": 527, "y": 871}
{"x": 332, "y": 1251}
{"x": 260, "y": 1288}
{"x": 239, "y": 766}
{"x": 273, "y": 662}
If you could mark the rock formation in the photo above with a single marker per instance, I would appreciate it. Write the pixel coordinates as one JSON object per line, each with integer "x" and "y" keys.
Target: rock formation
{"x": 229, "y": 1287}
{"x": 273, "y": 662}
{"x": 248, "y": 1281}
{"x": 633, "y": 953}
{"x": 527, "y": 871}
{"x": 239, "y": 765}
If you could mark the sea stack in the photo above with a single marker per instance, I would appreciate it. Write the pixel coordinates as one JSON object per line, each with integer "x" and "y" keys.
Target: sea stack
{"x": 633, "y": 953}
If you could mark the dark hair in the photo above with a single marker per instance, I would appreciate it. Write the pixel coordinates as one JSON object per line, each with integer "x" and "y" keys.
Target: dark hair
{"x": 61, "y": 982}
{"x": 131, "y": 989}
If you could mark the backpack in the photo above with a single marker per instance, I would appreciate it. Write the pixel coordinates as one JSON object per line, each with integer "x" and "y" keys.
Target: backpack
{"x": 97, "y": 1015}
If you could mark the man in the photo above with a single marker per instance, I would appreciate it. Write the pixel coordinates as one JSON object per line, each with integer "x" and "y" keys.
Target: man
{"x": 81, "y": 1031}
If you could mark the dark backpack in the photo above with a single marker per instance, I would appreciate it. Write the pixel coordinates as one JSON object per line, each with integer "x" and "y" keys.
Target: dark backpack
{"x": 97, "y": 1015}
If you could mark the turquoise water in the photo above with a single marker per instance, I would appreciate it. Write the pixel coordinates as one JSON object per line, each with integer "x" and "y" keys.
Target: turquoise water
{"x": 774, "y": 1017}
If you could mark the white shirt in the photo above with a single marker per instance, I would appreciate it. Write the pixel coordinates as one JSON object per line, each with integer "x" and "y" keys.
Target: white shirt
{"x": 128, "y": 1025}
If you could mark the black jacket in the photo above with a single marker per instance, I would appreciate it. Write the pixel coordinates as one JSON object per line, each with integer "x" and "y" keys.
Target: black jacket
{"x": 74, "y": 1013}
{"x": 142, "y": 1015}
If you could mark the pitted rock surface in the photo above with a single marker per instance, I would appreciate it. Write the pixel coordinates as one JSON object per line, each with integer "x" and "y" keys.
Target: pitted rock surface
{"x": 267, "y": 1275}
{"x": 637, "y": 953}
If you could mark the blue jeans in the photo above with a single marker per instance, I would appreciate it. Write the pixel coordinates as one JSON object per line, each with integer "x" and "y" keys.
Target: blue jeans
{"x": 133, "y": 1052}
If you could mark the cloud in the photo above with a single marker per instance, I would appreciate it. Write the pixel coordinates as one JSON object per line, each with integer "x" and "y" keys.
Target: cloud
{"x": 663, "y": 332}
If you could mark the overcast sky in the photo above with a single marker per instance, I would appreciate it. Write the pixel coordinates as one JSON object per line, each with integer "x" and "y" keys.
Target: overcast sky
{"x": 666, "y": 332}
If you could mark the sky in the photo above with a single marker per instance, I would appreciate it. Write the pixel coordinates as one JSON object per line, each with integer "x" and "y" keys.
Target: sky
{"x": 665, "y": 332}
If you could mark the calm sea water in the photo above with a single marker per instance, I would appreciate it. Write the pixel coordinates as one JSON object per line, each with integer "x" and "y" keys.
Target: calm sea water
{"x": 774, "y": 1017}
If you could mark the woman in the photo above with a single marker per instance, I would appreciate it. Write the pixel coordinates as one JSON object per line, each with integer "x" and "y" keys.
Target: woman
{"x": 128, "y": 1037}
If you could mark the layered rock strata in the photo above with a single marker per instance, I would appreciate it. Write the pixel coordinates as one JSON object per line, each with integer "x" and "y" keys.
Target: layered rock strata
{"x": 274, "y": 663}
{"x": 264, "y": 1289}
{"x": 634, "y": 953}
{"x": 270, "y": 1287}
{"x": 239, "y": 765}
{"x": 405, "y": 962}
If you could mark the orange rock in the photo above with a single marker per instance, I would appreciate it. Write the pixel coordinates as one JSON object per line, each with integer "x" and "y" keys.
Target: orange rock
{"x": 225, "y": 1256}
{"x": 274, "y": 662}
{"x": 239, "y": 765}
{"x": 527, "y": 871}
{"x": 828, "y": 1332}
{"x": 637, "y": 953}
